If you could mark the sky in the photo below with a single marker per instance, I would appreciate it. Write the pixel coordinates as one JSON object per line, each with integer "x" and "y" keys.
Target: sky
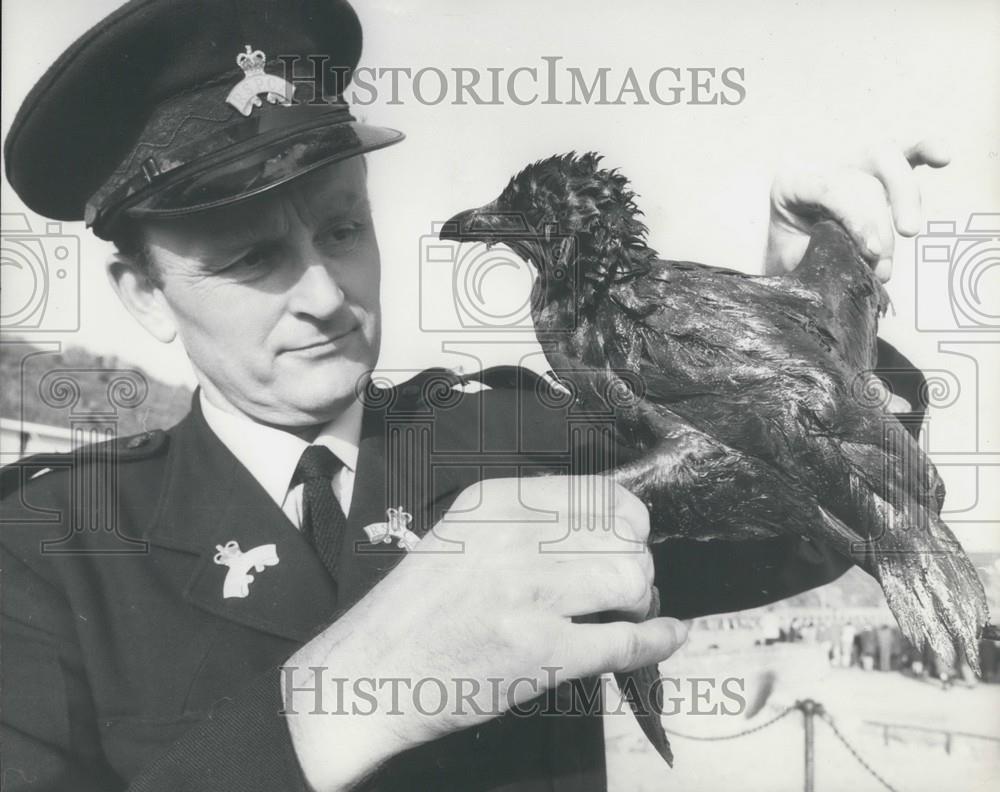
{"x": 820, "y": 81}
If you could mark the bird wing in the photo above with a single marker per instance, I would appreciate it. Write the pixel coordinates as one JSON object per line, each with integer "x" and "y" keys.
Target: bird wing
{"x": 834, "y": 269}
{"x": 765, "y": 367}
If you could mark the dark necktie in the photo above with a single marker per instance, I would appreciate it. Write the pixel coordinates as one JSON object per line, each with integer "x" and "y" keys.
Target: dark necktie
{"x": 323, "y": 520}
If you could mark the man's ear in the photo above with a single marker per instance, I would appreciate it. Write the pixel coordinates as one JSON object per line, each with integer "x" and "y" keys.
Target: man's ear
{"x": 143, "y": 298}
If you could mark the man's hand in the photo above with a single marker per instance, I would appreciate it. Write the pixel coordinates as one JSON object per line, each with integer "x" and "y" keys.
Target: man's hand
{"x": 481, "y": 610}
{"x": 870, "y": 198}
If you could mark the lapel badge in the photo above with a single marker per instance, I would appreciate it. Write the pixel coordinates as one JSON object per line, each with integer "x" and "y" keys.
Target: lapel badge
{"x": 245, "y": 95}
{"x": 238, "y": 578}
{"x": 396, "y": 526}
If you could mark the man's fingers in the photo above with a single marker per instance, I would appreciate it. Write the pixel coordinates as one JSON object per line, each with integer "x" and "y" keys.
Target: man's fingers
{"x": 856, "y": 199}
{"x": 932, "y": 152}
{"x": 597, "y": 503}
{"x": 883, "y": 269}
{"x": 801, "y": 195}
{"x": 633, "y": 511}
{"x": 894, "y": 170}
{"x": 589, "y": 585}
{"x": 623, "y": 646}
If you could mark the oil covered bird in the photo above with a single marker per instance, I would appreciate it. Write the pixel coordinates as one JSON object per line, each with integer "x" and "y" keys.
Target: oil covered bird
{"x": 749, "y": 400}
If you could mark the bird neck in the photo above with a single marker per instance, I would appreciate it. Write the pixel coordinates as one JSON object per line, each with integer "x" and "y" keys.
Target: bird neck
{"x": 575, "y": 325}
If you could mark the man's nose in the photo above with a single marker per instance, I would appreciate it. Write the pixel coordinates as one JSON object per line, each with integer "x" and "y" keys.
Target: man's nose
{"x": 317, "y": 292}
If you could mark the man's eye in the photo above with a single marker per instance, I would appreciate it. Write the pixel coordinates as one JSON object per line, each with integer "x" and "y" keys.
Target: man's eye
{"x": 254, "y": 260}
{"x": 341, "y": 237}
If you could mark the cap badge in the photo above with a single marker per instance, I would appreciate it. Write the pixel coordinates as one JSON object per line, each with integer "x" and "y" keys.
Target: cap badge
{"x": 238, "y": 578}
{"x": 245, "y": 95}
{"x": 396, "y": 526}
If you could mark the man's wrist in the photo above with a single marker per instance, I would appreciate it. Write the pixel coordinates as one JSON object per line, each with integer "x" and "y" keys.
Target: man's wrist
{"x": 337, "y": 747}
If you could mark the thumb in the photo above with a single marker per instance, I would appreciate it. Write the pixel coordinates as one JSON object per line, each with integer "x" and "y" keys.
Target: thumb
{"x": 625, "y": 646}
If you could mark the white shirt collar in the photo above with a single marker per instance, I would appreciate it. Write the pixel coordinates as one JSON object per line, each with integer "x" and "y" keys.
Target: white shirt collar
{"x": 271, "y": 455}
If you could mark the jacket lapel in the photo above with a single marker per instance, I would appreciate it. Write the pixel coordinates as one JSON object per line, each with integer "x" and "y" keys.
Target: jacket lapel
{"x": 401, "y": 465}
{"x": 363, "y": 564}
{"x": 210, "y": 499}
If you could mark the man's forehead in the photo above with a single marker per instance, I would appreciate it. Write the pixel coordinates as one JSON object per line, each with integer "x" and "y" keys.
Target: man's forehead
{"x": 326, "y": 193}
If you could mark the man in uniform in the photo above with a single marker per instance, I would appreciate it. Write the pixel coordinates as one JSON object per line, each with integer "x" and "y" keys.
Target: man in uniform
{"x": 281, "y": 520}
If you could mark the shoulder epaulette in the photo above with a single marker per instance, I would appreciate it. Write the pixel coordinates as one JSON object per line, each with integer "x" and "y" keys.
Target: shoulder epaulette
{"x": 495, "y": 377}
{"x": 131, "y": 448}
{"x": 437, "y": 377}
{"x": 142, "y": 446}
{"x": 441, "y": 387}
{"x": 509, "y": 377}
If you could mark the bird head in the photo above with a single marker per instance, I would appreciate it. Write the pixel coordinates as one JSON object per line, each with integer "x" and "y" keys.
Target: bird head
{"x": 575, "y": 222}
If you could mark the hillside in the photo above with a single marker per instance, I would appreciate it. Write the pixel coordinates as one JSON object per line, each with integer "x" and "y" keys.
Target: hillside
{"x": 74, "y": 384}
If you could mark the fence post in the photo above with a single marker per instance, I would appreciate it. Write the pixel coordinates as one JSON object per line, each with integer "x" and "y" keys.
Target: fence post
{"x": 810, "y": 709}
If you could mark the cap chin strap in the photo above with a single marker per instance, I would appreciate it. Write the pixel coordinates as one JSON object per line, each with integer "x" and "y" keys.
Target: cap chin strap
{"x": 103, "y": 208}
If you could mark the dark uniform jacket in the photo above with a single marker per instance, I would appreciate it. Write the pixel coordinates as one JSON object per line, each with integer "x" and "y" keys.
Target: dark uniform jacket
{"x": 124, "y": 667}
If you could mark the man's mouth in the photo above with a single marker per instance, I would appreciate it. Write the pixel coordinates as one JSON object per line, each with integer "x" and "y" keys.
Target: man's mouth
{"x": 327, "y": 344}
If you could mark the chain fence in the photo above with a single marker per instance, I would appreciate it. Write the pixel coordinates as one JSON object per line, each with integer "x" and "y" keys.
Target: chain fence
{"x": 809, "y": 709}
{"x": 825, "y": 717}
{"x": 743, "y": 733}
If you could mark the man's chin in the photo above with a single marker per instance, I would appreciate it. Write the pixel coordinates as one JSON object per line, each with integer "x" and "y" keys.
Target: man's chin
{"x": 319, "y": 393}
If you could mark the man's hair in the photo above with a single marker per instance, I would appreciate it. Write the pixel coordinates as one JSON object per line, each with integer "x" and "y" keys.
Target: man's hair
{"x": 132, "y": 249}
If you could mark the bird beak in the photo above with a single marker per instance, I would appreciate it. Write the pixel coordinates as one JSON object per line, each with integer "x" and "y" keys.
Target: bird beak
{"x": 488, "y": 224}
{"x": 463, "y": 227}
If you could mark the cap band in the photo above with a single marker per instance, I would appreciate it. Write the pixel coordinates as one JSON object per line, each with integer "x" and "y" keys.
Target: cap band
{"x": 264, "y": 166}
{"x": 164, "y": 167}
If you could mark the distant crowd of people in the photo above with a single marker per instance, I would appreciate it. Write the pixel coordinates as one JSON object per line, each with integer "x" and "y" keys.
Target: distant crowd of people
{"x": 860, "y": 643}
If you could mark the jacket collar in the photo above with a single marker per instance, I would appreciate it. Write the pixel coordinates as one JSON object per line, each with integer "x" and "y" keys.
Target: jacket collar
{"x": 209, "y": 499}
{"x": 270, "y": 454}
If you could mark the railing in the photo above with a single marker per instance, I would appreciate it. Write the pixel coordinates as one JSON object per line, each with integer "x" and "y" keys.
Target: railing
{"x": 949, "y": 735}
